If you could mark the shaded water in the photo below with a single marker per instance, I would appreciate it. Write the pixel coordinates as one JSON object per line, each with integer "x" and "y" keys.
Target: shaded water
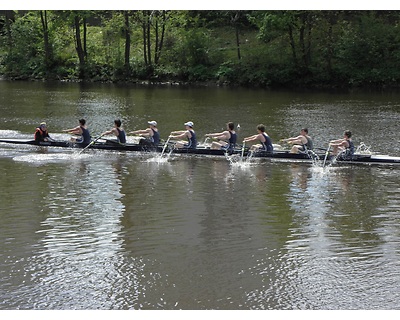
{"x": 109, "y": 230}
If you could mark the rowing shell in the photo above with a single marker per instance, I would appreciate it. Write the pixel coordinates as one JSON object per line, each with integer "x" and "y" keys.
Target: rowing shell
{"x": 98, "y": 145}
{"x": 356, "y": 158}
{"x": 202, "y": 150}
{"x": 121, "y": 147}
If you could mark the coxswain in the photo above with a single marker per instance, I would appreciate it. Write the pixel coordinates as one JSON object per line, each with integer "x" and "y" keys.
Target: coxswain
{"x": 41, "y": 133}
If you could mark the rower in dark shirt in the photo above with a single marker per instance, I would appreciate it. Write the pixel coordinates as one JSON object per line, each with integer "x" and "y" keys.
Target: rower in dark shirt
{"x": 226, "y": 139}
{"x": 189, "y": 134}
{"x": 81, "y": 131}
{"x": 343, "y": 148}
{"x": 117, "y": 131}
{"x": 265, "y": 141}
{"x": 301, "y": 143}
{"x": 151, "y": 134}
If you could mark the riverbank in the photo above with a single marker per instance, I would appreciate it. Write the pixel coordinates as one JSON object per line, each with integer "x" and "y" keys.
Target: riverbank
{"x": 223, "y": 84}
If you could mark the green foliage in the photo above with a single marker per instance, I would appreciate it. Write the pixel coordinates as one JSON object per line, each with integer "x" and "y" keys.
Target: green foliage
{"x": 277, "y": 48}
{"x": 23, "y": 59}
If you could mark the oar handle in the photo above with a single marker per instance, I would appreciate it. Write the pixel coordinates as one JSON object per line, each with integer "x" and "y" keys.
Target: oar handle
{"x": 91, "y": 143}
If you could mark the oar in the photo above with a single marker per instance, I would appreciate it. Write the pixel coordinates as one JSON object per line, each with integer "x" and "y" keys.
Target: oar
{"x": 326, "y": 155}
{"x": 91, "y": 143}
{"x": 241, "y": 157}
{"x": 165, "y": 146}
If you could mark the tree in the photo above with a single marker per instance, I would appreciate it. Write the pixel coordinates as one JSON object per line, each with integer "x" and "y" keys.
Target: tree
{"x": 127, "y": 32}
{"x": 79, "y": 46}
{"x": 153, "y": 24}
{"x": 47, "y": 48}
{"x": 9, "y": 18}
{"x": 235, "y": 21}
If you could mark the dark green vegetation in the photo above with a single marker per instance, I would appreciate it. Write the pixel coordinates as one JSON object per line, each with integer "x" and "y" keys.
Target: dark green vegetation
{"x": 251, "y": 48}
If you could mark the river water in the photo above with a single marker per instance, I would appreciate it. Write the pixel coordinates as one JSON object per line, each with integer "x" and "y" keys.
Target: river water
{"x": 109, "y": 230}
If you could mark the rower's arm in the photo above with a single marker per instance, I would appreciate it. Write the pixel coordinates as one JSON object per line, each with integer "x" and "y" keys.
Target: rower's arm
{"x": 251, "y": 138}
{"x": 140, "y": 132}
{"x": 298, "y": 140}
{"x": 177, "y": 136}
{"x": 293, "y": 139}
{"x": 336, "y": 141}
{"x": 76, "y": 130}
{"x": 218, "y": 136}
{"x": 107, "y": 133}
{"x": 215, "y": 135}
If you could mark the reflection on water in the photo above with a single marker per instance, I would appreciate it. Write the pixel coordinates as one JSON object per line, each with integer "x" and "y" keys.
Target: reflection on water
{"x": 113, "y": 230}
{"x": 335, "y": 246}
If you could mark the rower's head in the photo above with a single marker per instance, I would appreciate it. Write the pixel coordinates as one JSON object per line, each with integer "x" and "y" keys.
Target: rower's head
{"x": 43, "y": 125}
{"x": 117, "y": 122}
{"x": 261, "y": 127}
{"x": 189, "y": 124}
{"x": 152, "y": 123}
{"x": 304, "y": 131}
{"x": 231, "y": 126}
{"x": 82, "y": 122}
{"x": 347, "y": 134}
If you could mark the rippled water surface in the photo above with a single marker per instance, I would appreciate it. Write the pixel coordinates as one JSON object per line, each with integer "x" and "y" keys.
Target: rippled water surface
{"x": 109, "y": 230}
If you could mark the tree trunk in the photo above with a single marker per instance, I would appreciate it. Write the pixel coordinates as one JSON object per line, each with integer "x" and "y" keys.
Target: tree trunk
{"x": 329, "y": 55}
{"x": 160, "y": 42}
{"x": 85, "y": 38}
{"x": 292, "y": 45}
{"x": 238, "y": 42}
{"x": 148, "y": 36}
{"x": 47, "y": 49}
{"x": 235, "y": 22}
{"x": 9, "y": 16}
{"x": 144, "y": 43}
{"x": 127, "y": 42}
{"x": 305, "y": 44}
{"x": 79, "y": 48}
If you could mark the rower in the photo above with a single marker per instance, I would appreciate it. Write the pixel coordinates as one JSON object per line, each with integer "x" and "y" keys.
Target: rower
{"x": 301, "y": 143}
{"x": 151, "y": 134}
{"x": 189, "y": 134}
{"x": 265, "y": 141}
{"x": 116, "y": 131}
{"x": 41, "y": 133}
{"x": 343, "y": 148}
{"x": 82, "y": 131}
{"x": 226, "y": 139}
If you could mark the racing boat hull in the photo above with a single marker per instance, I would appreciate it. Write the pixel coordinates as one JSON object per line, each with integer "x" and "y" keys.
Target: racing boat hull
{"x": 202, "y": 150}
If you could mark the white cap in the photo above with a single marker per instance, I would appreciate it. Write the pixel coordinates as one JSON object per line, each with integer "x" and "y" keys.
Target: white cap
{"x": 153, "y": 123}
{"x": 189, "y": 123}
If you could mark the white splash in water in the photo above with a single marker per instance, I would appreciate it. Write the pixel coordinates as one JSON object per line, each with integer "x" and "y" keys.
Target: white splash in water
{"x": 237, "y": 161}
{"x": 43, "y": 158}
{"x": 241, "y": 164}
{"x": 158, "y": 159}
